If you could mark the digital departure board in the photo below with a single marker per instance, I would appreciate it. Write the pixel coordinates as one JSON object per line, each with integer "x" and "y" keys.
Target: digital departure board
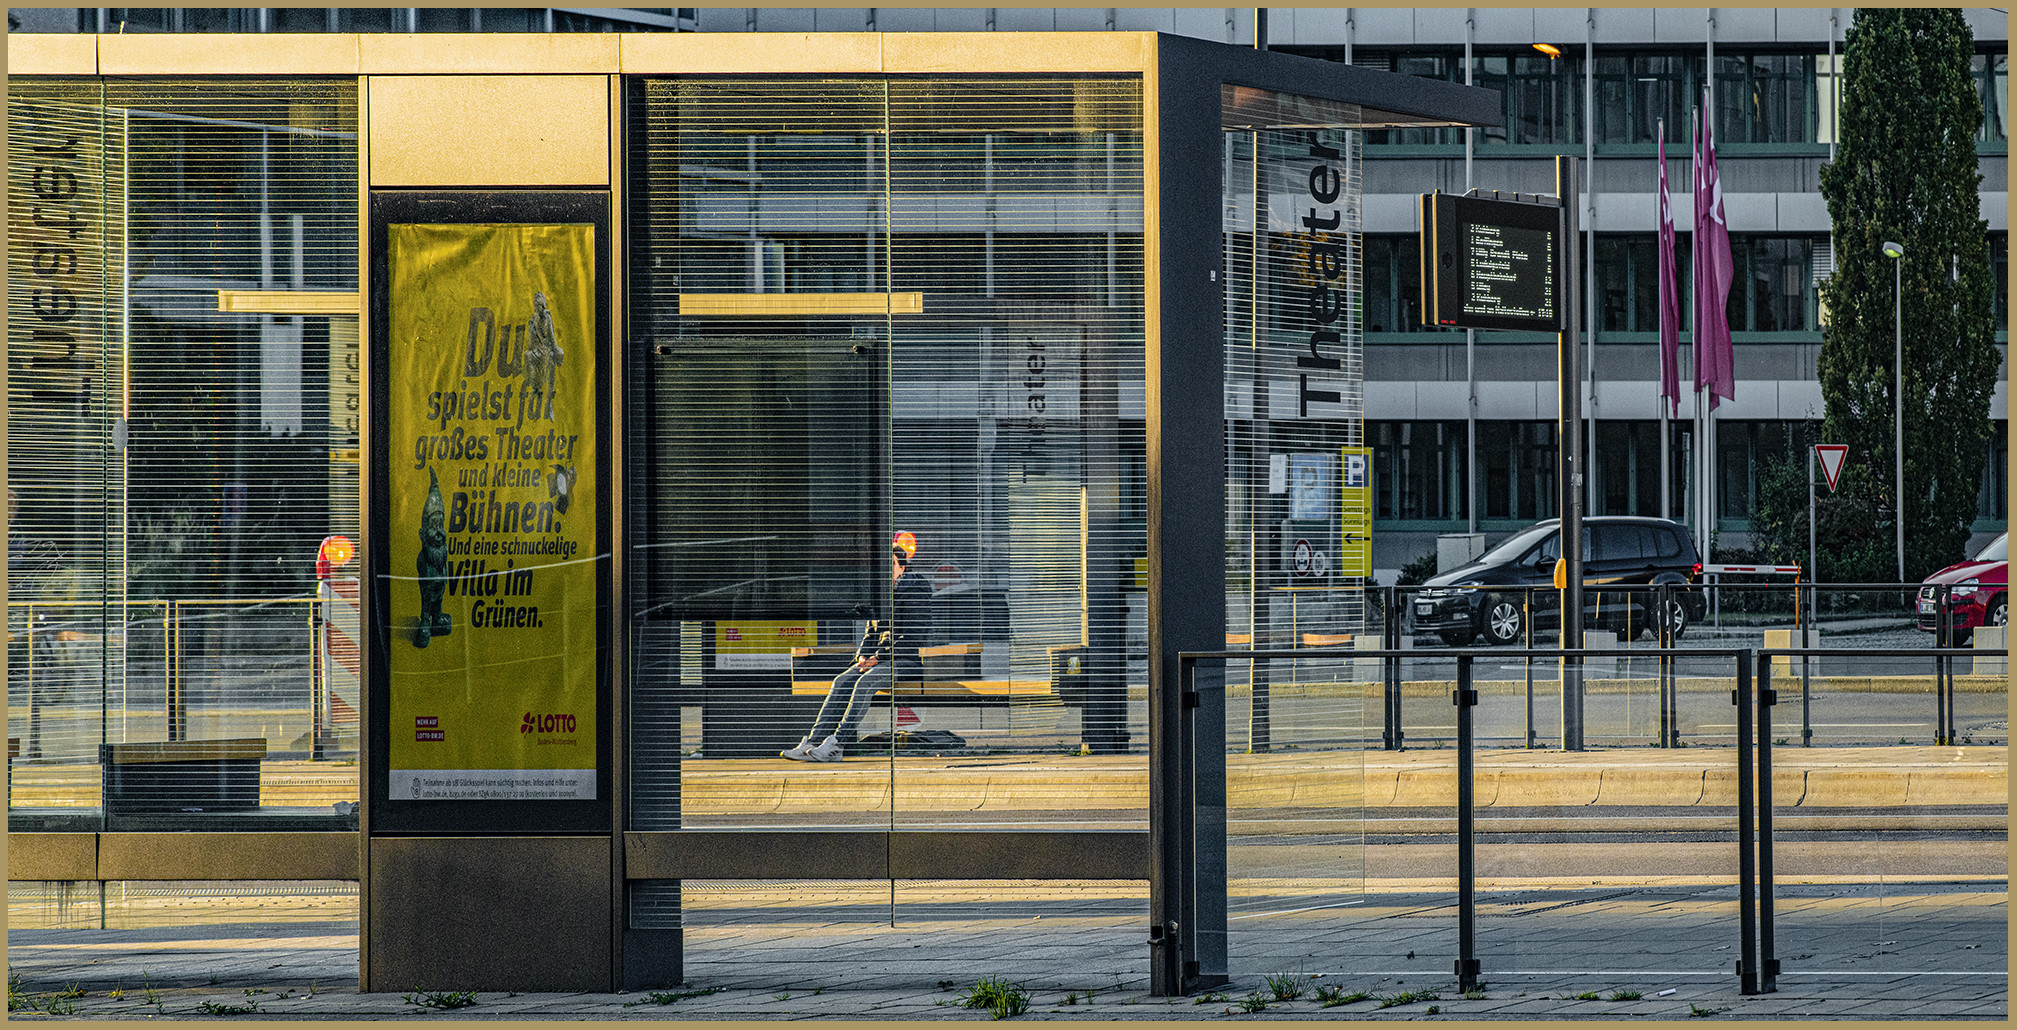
{"x": 1491, "y": 264}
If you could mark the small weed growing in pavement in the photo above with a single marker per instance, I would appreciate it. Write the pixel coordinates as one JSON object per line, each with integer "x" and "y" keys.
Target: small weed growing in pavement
{"x": 1388, "y": 1001}
{"x": 71, "y": 990}
{"x": 59, "y": 1005}
{"x": 1902, "y": 740}
{"x": 1434, "y": 1009}
{"x": 781, "y": 996}
{"x": 154, "y": 996}
{"x": 1585, "y": 996}
{"x": 312, "y": 988}
{"x": 946, "y": 985}
{"x": 1210, "y": 999}
{"x": 1072, "y": 998}
{"x": 1694, "y": 1012}
{"x": 1287, "y": 986}
{"x": 214, "y": 1008}
{"x": 1475, "y": 994}
{"x": 1001, "y": 998}
{"x": 212, "y": 982}
{"x": 252, "y": 991}
{"x": 116, "y": 993}
{"x": 668, "y": 997}
{"x": 1254, "y": 1002}
{"x": 1625, "y": 995}
{"x": 16, "y": 999}
{"x": 442, "y": 999}
{"x": 1333, "y": 996}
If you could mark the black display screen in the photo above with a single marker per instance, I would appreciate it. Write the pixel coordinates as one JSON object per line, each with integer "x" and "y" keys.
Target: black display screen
{"x": 1491, "y": 264}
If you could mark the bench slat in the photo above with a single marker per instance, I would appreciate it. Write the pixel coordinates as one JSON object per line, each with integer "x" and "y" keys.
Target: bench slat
{"x": 1034, "y": 689}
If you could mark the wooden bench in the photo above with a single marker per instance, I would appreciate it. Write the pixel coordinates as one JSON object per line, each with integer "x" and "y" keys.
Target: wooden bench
{"x": 952, "y": 676}
{"x": 178, "y": 775}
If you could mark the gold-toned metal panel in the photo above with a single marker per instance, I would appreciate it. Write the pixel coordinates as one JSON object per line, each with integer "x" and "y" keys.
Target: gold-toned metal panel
{"x": 329, "y": 855}
{"x": 52, "y": 856}
{"x": 756, "y": 855}
{"x": 222, "y": 53}
{"x": 489, "y": 130}
{"x": 1028, "y": 855}
{"x": 767, "y": 53}
{"x": 287, "y": 302}
{"x": 765, "y": 305}
{"x": 488, "y": 53}
{"x": 970, "y": 52}
{"x": 49, "y": 53}
{"x": 875, "y": 855}
{"x": 491, "y": 914}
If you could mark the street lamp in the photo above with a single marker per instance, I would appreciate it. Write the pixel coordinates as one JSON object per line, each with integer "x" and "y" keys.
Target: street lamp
{"x": 1896, "y": 252}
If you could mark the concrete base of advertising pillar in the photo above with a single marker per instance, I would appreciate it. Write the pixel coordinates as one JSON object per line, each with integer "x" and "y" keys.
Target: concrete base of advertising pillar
{"x": 488, "y": 914}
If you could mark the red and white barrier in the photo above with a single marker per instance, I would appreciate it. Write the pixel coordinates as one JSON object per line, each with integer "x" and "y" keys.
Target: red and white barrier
{"x": 1770, "y": 570}
{"x": 340, "y": 659}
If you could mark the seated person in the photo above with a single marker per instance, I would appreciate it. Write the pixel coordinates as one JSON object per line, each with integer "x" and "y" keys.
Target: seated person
{"x": 888, "y": 653}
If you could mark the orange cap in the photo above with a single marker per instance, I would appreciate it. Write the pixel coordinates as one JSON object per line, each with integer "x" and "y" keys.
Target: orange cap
{"x": 905, "y": 542}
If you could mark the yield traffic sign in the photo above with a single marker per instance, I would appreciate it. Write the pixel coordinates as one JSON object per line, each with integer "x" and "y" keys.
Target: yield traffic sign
{"x": 1831, "y": 455}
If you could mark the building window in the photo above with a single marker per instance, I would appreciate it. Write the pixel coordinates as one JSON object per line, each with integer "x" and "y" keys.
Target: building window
{"x": 1742, "y": 450}
{"x": 1992, "y": 79}
{"x": 1637, "y": 92}
{"x": 1772, "y": 284}
{"x": 1628, "y": 283}
{"x": 1418, "y": 468}
{"x": 1626, "y": 462}
{"x": 1993, "y": 503}
{"x": 1516, "y": 463}
{"x": 1542, "y": 97}
{"x": 1766, "y": 98}
{"x": 1393, "y": 279}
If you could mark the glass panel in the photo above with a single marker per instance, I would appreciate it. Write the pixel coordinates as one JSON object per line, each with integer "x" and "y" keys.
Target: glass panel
{"x": 1300, "y": 495}
{"x": 174, "y": 466}
{"x": 926, "y": 305}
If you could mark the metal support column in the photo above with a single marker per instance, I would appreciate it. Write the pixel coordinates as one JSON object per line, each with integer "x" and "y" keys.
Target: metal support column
{"x": 1465, "y": 699}
{"x": 1747, "y": 864}
{"x": 1569, "y": 389}
{"x": 1768, "y": 965}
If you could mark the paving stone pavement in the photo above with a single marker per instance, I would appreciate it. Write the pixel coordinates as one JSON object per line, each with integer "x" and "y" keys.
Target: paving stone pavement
{"x": 1661, "y": 949}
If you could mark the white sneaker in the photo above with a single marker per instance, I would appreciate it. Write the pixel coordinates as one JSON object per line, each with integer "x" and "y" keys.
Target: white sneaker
{"x": 801, "y": 753}
{"x": 827, "y": 751}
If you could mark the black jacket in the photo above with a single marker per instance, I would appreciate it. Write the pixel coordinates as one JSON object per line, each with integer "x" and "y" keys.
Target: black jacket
{"x": 911, "y": 622}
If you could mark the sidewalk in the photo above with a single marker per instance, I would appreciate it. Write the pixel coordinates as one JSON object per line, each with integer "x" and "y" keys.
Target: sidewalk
{"x": 1927, "y": 951}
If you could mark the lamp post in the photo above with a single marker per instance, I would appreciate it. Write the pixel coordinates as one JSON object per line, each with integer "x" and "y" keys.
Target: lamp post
{"x": 1896, "y": 252}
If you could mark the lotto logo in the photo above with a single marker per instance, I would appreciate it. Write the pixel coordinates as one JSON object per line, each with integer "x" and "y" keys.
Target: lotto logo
{"x": 556, "y": 723}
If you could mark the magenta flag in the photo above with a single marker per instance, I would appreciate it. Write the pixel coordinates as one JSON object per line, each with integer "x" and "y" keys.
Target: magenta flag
{"x": 1714, "y": 361}
{"x": 1670, "y": 298}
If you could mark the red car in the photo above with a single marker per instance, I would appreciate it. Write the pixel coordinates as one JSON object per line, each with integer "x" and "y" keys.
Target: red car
{"x": 1977, "y": 593}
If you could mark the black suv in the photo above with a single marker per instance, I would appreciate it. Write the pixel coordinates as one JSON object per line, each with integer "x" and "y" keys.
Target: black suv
{"x": 1485, "y": 597}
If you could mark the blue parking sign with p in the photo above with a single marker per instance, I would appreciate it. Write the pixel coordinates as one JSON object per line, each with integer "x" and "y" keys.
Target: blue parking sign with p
{"x": 1356, "y": 467}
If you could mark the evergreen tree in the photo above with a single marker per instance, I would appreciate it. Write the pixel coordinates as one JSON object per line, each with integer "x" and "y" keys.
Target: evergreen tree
{"x": 1906, "y": 171}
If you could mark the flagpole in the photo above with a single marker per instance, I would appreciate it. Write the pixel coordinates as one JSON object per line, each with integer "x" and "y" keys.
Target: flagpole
{"x": 1701, "y": 455}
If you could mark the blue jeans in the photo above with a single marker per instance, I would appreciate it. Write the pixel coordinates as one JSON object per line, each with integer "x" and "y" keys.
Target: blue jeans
{"x": 848, "y": 700}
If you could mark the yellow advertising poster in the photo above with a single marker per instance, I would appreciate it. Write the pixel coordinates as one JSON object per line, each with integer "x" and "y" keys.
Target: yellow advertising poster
{"x": 493, "y": 512}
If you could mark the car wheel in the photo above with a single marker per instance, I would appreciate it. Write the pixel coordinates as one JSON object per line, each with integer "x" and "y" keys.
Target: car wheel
{"x": 1505, "y": 623}
{"x": 1676, "y": 617}
{"x": 1458, "y": 638}
{"x": 1999, "y": 613}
